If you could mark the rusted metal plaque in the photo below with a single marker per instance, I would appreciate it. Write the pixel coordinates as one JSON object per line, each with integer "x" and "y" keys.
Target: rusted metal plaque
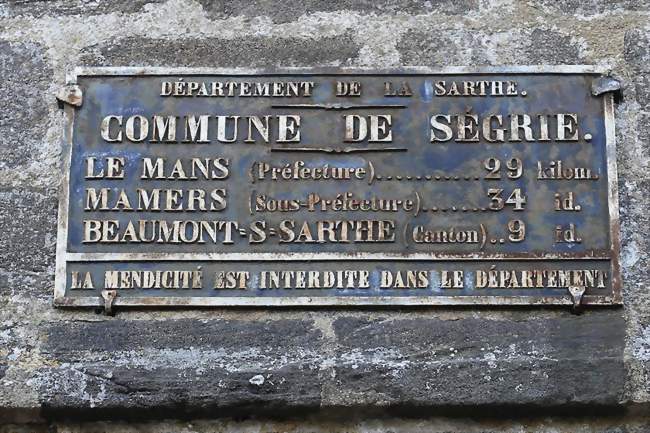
{"x": 192, "y": 187}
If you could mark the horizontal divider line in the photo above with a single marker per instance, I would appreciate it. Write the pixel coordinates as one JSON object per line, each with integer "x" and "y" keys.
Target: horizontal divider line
{"x": 386, "y": 301}
{"x": 338, "y": 149}
{"x": 306, "y": 257}
{"x": 339, "y": 107}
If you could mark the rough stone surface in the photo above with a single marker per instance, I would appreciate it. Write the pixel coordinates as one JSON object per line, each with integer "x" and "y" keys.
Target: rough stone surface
{"x": 21, "y": 8}
{"x": 613, "y": 424}
{"x": 284, "y": 12}
{"x": 23, "y": 113}
{"x": 365, "y": 360}
{"x": 143, "y": 366}
{"x": 239, "y": 52}
{"x": 500, "y": 370}
{"x": 593, "y": 7}
{"x": 637, "y": 48}
{"x": 445, "y": 47}
{"x": 454, "y": 46}
{"x": 471, "y": 361}
{"x": 28, "y": 218}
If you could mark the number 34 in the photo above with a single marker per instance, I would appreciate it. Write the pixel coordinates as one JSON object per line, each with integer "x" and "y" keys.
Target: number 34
{"x": 515, "y": 199}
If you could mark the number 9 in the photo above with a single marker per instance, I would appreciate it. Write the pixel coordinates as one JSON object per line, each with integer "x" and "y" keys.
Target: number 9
{"x": 517, "y": 230}
{"x": 515, "y": 168}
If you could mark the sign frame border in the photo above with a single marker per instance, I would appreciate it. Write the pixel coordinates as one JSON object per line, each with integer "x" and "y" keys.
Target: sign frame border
{"x": 63, "y": 256}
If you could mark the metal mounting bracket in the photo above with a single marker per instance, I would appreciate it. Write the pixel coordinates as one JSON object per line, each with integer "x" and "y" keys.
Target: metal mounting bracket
{"x": 70, "y": 94}
{"x": 109, "y": 297}
{"x": 576, "y": 293}
{"x": 606, "y": 84}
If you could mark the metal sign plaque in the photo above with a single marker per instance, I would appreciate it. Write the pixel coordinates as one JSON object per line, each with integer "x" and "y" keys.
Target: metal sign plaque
{"x": 193, "y": 187}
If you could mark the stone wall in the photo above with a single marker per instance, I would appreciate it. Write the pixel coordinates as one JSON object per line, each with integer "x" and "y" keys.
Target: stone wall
{"x": 320, "y": 370}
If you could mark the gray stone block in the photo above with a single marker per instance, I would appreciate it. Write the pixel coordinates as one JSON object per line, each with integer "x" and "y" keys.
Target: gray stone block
{"x": 24, "y": 103}
{"x": 28, "y": 218}
{"x": 549, "y": 47}
{"x": 443, "y": 48}
{"x": 634, "y": 198}
{"x": 189, "y": 366}
{"x": 259, "y": 52}
{"x": 281, "y": 12}
{"x": 593, "y": 7}
{"x": 194, "y": 366}
{"x": 528, "y": 361}
{"x": 142, "y": 392}
{"x": 636, "y": 49}
{"x": 641, "y": 86}
{"x": 278, "y": 11}
{"x": 458, "y": 47}
{"x": 39, "y": 9}
{"x": 28, "y": 283}
{"x": 65, "y": 339}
